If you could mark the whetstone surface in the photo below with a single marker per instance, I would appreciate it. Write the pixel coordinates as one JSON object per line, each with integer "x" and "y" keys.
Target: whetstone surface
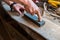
{"x": 34, "y": 19}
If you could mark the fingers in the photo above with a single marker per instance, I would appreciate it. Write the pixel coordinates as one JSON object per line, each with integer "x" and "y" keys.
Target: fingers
{"x": 19, "y": 12}
{"x": 19, "y": 8}
{"x": 22, "y": 7}
{"x": 39, "y": 16}
{"x": 32, "y": 11}
{"x": 22, "y": 10}
{"x": 27, "y": 9}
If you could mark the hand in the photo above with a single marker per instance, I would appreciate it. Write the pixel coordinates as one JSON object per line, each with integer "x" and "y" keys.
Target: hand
{"x": 19, "y": 8}
{"x": 32, "y": 8}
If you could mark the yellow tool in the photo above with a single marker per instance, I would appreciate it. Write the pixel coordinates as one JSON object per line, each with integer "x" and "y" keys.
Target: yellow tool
{"x": 54, "y": 3}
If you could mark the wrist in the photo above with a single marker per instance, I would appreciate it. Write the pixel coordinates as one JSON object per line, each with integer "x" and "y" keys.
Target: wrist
{"x": 12, "y": 5}
{"x": 10, "y": 2}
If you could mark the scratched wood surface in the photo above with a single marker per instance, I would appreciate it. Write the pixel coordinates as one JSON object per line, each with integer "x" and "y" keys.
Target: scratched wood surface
{"x": 50, "y": 30}
{"x": 7, "y": 32}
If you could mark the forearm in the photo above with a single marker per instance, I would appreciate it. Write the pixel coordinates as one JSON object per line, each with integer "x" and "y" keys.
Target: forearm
{"x": 24, "y": 2}
{"x": 9, "y": 2}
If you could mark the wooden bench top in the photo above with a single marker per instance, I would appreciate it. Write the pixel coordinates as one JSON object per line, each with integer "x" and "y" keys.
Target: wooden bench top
{"x": 50, "y": 30}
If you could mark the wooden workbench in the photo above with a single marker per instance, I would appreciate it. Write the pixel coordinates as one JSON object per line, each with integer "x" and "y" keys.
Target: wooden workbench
{"x": 50, "y": 30}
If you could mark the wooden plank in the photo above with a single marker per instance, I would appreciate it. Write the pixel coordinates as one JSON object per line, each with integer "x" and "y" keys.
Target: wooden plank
{"x": 12, "y": 22}
{"x": 49, "y": 26}
{"x": 8, "y": 32}
{"x": 50, "y": 30}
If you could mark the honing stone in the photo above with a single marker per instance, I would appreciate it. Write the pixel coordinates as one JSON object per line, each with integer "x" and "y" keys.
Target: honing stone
{"x": 34, "y": 19}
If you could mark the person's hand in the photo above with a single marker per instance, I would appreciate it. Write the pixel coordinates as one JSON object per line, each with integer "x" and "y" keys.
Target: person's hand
{"x": 19, "y": 8}
{"x": 32, "y": 8}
